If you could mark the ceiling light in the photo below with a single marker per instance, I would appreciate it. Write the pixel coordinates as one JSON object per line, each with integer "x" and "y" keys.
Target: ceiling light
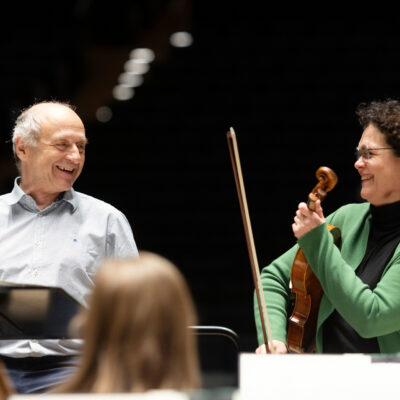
{"x": 181, "y": 39}
{"x": 123, "y": 92}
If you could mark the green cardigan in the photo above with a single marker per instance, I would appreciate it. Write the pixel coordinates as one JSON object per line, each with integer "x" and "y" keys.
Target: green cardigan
{"x": 371, "y": 313}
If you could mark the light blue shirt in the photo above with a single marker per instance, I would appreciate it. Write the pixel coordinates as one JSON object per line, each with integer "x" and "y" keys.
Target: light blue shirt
{"x": 60, "y": 246}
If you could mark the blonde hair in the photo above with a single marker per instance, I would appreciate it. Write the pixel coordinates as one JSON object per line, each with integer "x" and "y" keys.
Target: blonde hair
{"x": 136, "y": 330}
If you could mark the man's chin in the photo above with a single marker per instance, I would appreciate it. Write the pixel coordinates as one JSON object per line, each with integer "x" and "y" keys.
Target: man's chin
{"x": 65, "y": 186}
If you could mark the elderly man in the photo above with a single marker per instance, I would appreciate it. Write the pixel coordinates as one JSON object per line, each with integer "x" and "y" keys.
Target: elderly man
{"x": 52, "y": 235}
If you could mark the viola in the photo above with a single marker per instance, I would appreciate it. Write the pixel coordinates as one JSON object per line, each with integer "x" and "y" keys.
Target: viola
{"x": 305, "y": 286}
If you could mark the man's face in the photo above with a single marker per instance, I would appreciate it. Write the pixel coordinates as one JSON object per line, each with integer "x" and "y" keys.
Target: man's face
{"x": 56, "y": 162}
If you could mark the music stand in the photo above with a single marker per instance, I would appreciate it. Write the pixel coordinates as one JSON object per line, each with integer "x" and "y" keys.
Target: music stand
{"x": 35, "y": 312}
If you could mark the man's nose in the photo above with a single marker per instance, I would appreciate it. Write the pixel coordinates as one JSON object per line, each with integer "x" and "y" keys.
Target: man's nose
{"x": 74, "y": 154}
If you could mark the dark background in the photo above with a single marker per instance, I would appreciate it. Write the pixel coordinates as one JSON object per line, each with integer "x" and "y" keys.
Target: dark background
{"x": 289, "y": 86}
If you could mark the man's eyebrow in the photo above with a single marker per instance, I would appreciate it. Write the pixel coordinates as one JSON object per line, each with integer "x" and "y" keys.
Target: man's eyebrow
{"x": 65, "y": 137}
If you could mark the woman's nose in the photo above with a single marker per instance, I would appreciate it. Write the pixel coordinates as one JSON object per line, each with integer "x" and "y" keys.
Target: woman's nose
{"x": 360, "y": 163}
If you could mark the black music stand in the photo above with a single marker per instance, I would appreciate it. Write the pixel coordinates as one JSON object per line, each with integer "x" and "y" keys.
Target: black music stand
{"x": 219, "y": 349}
{"x": 35, "y": 312}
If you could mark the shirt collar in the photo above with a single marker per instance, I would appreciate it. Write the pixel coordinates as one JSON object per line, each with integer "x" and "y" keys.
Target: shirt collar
{"x": 17, "y": 195}
{"x": 71, "y": 198}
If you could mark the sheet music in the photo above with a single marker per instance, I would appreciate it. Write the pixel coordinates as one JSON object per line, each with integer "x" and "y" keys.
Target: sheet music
{"x": 316, "y": 377}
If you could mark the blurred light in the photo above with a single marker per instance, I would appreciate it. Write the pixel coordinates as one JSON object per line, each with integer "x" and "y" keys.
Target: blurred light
{"x": 131, "y": 80}
{"x": 104, "y": 114}
{"x": 123, "y": 92}
{"x": 136, "y": 66}
{"x": 181, "y": 39}
{"x": 147, "y": 55}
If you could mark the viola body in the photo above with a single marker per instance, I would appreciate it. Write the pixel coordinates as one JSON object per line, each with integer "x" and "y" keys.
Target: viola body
{"x": 302, "y": 324}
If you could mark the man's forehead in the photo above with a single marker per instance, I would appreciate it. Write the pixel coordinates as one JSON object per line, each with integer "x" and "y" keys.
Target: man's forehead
{"x": 59, "y": 121}
{"x": 59, "y": 114}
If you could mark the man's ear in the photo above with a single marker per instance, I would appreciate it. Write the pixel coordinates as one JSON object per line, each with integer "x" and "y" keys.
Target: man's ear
{"x": 20, "y": 149}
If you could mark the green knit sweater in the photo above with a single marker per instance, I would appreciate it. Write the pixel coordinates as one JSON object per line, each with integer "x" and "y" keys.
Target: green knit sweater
{"x": 372, "y": 313}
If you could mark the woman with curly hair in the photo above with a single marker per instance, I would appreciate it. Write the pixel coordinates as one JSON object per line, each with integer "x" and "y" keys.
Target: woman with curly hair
{"x": 360, "y": 307}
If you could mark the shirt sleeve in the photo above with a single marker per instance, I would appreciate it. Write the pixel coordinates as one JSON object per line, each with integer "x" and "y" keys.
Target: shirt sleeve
{"x": 120, "y": 241}
{"x": 371, "y": 313}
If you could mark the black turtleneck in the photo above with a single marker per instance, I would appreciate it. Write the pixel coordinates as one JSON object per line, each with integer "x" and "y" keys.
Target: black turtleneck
{"x": 384, "y": 236}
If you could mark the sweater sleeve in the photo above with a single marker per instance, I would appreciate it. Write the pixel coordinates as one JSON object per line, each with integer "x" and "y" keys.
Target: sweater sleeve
{"x": 275, "y": 281}
{"x": 370, "y": 312}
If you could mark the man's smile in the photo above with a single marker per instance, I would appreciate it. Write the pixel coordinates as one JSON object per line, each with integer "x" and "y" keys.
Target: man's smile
{"x": 64, "y": 169}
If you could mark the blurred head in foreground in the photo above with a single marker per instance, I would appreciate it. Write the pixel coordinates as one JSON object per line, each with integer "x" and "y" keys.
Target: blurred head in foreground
{"x": 136, "y": 330}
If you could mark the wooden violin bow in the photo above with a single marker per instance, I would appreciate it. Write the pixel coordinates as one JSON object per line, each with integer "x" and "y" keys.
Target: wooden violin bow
{"x": 237, "y": 171}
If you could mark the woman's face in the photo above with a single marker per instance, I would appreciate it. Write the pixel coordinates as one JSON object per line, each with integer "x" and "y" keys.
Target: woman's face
{"x": 380, "y": 173}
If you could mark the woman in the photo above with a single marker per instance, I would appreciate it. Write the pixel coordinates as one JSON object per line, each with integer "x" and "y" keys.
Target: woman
{"x": 360, "y": 308}
{"x": 136, "y": 330}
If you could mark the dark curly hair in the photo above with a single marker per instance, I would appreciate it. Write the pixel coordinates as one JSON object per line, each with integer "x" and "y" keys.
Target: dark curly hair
{"x": 384, "y": 115}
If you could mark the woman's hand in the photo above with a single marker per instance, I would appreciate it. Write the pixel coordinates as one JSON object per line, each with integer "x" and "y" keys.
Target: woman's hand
{"x": 306, "y": 220}
{"x": 279, "y": 348}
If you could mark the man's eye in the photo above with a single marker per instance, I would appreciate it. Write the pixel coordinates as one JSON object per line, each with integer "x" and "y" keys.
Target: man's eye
{"x": 61, "y": 146}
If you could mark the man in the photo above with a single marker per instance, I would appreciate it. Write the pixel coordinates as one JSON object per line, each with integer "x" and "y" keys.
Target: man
{"x": 52, "y": 235}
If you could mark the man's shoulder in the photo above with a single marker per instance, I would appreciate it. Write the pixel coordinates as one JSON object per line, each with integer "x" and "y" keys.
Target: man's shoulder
{"x": 90, "y": 203}
{"x": 6, "y": 198}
